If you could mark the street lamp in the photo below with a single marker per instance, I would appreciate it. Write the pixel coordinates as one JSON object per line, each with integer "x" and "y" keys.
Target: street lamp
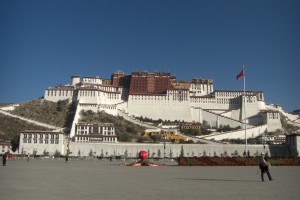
{"x": 68, "y": 148}
{"x": 164, "y": 145}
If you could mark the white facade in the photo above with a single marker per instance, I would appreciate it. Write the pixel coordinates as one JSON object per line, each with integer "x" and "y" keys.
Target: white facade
{"x": 103, "y": 133}
{"x": 39, "y": 142}
{"x": 272, "y": 119}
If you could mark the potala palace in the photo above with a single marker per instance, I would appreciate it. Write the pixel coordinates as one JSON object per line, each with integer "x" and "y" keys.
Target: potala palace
{"x": 158, "y": 95}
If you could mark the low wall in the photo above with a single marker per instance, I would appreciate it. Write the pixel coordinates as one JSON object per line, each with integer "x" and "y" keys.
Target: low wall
{"x": 173, "y": 150}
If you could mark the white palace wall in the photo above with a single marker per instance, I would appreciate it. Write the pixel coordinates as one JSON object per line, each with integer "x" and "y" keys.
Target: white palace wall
{"x": 213, "y": 119}
{"x": 159, "y": 107}
{"x": 55, "y": 95}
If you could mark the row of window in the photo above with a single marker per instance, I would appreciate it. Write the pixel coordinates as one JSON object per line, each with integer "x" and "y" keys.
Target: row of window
{"x": 164, "y": 98}
{"x": 84, "y": 132}
{"x": 82, "y": 93}
{"x": 41, "y": 136}
{"x": 96, "y": 129}
{"x": 59, "y": 93}
{"x": 93, "y": 94}
{"x": 41, "y": 141}
{"x": 104, "y": 139}
{"x": 94, "y": 80}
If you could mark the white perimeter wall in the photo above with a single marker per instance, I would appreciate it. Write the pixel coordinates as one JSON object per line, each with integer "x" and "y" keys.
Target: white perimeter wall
{"x": 189, "y": 149}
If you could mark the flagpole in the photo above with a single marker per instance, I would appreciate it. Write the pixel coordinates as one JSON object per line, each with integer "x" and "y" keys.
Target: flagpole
{"x": 245, "y": 125}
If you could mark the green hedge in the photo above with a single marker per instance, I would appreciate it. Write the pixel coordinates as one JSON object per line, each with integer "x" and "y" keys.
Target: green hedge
{"x": 235, "y": 161}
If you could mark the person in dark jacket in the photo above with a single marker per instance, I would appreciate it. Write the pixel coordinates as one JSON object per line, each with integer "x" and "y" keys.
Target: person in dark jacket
{"x": 4, "y": 159}
{"x": 264, "y": 167}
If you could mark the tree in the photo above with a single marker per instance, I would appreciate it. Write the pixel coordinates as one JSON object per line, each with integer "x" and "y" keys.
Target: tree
{"x": 171, "y": 153}
{"x": 57, "y": 153}
{"x": 91, "y": 153}
{"x": 15, "y": 142}
{"x": 181, "y": 152}
{"x": 158, "y": 153}
{"x": 126, "y": 154}
{"x": 124, "y": 136}
{"x": 155, "y": 137}
{"x": 205, "y": 124}
{"x": 140, "y": 139}
{"x": 34, "y": 152}
{"x": 45, "y": 153}
{"x": 225, "y": 153}
{"x": 236, "y": 153}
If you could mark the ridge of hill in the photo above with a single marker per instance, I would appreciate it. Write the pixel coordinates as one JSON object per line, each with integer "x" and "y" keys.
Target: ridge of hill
{"x": 60, "y": 114}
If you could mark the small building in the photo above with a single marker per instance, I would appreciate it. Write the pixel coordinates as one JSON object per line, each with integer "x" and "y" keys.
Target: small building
{"x": 103, "y": 133}
{"x": 186, "y": 126}
{"x": 273, "y": 139}
{"x": 168, "y": 134}
{"x": 35, "y": 142}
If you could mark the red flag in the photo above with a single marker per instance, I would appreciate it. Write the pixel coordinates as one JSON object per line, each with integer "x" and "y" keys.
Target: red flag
{"x": 240, "y": 75}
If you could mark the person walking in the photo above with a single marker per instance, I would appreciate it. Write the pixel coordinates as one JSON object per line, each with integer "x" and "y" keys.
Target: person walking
{"x": 4, "y": 159}
{"x": 264, "y": 167}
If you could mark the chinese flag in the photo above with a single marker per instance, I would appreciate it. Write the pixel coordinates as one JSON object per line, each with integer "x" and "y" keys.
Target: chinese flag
{"x": 240, "y": 75}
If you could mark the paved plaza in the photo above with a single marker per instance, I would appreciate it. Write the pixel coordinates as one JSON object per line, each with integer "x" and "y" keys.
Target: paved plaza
{"x": 84, "y": 180}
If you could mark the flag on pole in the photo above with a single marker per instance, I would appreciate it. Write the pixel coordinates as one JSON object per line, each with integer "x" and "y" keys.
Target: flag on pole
{"x": 240, "y": 75}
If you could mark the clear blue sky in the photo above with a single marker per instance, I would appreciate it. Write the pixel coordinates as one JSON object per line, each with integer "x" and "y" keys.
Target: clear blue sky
{"x": 43, "y": 43}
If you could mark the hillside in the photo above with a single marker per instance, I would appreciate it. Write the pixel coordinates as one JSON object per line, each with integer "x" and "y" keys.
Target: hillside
{"x": 11, "y": 127}
{"x": 125, "y": 130}
{"x": 45, "y": 111}
{"x": 61, "y": 114}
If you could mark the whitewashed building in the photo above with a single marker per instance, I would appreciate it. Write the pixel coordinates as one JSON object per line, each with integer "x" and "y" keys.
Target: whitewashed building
{"x": 42, "y": 142}
{"x": 104, "y": 133}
